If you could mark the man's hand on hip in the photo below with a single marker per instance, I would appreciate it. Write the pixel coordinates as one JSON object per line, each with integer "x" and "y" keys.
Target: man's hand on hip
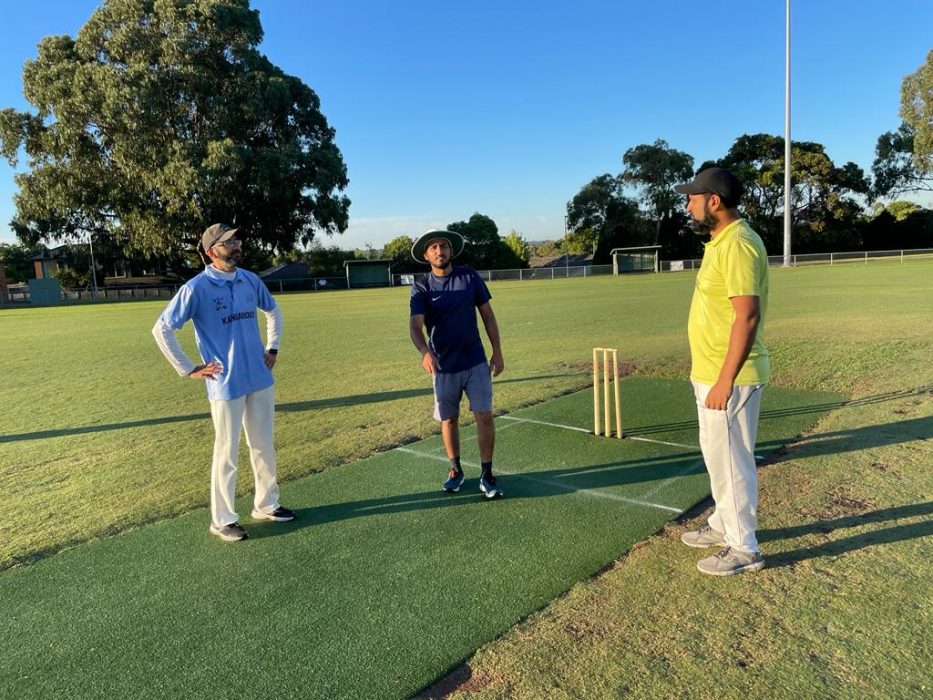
{"x": 208, "y": 371}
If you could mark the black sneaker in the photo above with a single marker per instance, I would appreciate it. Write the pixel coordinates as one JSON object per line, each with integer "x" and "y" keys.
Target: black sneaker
{"x": 230, "y": 533}
{"x": 454, "y": 481}
{"x": 280, "y": 515}
{"x": 489, "y": 486}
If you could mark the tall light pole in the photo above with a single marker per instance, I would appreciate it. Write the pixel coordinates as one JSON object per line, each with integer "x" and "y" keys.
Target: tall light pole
{"x": 788, "y": 204}
{"x": 90, "y": 243}
{"x": 566, "y": 250}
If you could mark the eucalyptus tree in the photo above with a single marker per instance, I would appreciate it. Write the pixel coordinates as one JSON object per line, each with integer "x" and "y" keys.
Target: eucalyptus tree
{"x": 653, "y": 170}
{"x": 160, "y": 117}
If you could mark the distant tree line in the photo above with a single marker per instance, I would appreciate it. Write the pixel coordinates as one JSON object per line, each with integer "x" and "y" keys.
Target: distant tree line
{"x": 158, "y": 117}
{"x": 834, "y": 208}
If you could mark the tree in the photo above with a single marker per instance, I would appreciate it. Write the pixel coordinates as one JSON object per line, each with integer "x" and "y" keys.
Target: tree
{"x": 901, "y": 209}
{"x": 161, "y": 116}
{"x": 653, "y": 170}
{"x": 917, "y": 112}
{"x": 895, "y": 168}
{"x": 481, "y": 236}
{"x": 17, "y": 261}
{"x": 822, "y": 193}
{"x": 517, "y": 245}
{"x": 609, "y": 219}
{"x": 548, "y": 249}
{"x": 398, "y": 250}
{"x": 326, "y": 261}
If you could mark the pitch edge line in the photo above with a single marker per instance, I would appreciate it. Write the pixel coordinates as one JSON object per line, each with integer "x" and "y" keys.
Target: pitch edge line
{"x": 555, "y": 484}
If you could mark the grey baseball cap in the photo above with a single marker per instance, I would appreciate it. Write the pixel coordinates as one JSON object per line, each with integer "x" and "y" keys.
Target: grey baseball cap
{"x": 217, "y": 233}
{"x": 714, "y": 181}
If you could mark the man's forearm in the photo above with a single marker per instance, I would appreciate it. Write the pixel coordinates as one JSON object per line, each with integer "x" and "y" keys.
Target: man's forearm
{"x": 492, "y": 330}
{"x": 416, "y": 333}
{"x": 741, "y": 339}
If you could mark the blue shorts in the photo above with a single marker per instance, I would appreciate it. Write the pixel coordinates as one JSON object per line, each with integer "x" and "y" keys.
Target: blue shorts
{"x": 450, "y": 387}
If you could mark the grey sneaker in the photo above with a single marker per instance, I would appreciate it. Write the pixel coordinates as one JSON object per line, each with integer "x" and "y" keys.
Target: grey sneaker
{"x": 727, "y": 562}
{"x": 454, "y": 481}
{"x": 230, "y": 533}
{"x": 280, "y": 515}
{"x": 489, "y": 486}
{"x": 704, "y": 537}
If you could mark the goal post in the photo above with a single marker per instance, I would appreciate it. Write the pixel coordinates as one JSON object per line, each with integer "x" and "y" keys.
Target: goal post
{"x": 636, "y": 259}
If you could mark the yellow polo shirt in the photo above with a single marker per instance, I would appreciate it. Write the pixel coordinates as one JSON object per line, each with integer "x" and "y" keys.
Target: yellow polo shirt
{"x": 735, "y": 264}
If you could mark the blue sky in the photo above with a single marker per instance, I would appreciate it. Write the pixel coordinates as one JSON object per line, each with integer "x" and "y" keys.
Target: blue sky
{"x": 509, "y": 107}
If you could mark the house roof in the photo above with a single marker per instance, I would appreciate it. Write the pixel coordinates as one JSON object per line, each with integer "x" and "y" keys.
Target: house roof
{"x": 381, "y": 263}
{"x": 287, "y": 271}
{"x": 561, "y": 260}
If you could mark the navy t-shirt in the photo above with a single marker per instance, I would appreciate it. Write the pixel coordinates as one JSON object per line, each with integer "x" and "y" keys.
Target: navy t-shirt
{"x": 449, "y": 305}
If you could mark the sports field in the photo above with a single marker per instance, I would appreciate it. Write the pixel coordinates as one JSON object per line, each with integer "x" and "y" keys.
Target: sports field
{"x": 385, "y": 584}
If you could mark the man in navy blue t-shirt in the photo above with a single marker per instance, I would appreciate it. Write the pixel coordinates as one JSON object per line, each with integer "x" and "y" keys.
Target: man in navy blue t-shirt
{"x": 444, "y": 304}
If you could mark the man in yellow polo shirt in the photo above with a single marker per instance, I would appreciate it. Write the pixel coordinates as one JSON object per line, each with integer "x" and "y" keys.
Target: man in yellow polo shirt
{"x": 729, "y": 367}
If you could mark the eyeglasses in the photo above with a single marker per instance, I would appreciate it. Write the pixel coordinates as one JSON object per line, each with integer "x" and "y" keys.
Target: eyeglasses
{"x": 229, "y": 243}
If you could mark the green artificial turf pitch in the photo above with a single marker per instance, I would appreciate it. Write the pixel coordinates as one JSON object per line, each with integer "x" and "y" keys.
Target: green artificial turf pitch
{"x": 384, "y": 583}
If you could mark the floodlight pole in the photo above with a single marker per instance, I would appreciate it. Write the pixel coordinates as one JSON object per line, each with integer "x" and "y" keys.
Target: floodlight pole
{"x": 788, "y": 204}
{"x": 566, "y": 251}
{"x": 90, "y": 243}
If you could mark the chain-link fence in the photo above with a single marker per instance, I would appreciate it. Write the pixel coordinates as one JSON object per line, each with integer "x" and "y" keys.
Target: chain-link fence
{"x": 863, "y": 257}
{"x": 19, "y": 294}
{"x": 536, "y": 273}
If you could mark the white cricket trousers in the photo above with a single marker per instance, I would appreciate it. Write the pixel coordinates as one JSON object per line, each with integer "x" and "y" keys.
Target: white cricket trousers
{"x": 256, "y": 413}
{"x": 727, "y": 439}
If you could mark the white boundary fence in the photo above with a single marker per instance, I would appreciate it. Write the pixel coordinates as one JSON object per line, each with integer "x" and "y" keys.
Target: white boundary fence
{"x": 863, "y": 257}
{"x": 20, "y": 295}
{"x": 534, "y": 273}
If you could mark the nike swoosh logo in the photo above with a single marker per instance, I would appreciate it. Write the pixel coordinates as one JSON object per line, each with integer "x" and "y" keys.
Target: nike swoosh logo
{"x": 435, "y": 298}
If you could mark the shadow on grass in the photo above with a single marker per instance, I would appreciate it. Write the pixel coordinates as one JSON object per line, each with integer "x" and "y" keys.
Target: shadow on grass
{"x": 841, "y": 441}
{"x": 887, "y": 535}
{"x": 587, "y": 480}
{"x": 594, "y": 479}
{"x": 776, "y": 413}
{"x": 292, "y": 407}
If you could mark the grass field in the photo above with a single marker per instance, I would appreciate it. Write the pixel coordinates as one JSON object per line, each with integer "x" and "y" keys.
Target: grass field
{"x": 100, "y": 437}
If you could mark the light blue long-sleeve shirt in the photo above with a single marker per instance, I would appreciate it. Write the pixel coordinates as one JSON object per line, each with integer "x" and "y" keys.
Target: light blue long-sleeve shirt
{"x": 223, "y": 312}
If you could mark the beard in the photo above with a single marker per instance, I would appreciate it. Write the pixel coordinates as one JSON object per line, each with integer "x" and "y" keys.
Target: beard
{"x": 230, "y": 259}
{"x": 702, "y": 227}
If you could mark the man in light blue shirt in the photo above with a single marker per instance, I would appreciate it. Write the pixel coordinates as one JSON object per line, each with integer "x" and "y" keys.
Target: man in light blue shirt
{"x": 222, "y": 303}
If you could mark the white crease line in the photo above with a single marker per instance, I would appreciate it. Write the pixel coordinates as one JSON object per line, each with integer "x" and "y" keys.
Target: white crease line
{"x": 662, "y": 442}
{"x": 508, "y": 425}
{"x": 589, "y": 432}
{"x": 439, "y": 458}
{"x": 553, "y": 425}
{"x": 683, "y": 472}
{"x": 599, "y": 494}
{"x": 551, "y": 482}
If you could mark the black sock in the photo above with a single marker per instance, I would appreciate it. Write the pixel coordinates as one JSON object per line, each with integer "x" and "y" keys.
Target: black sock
{"x": 487, "y": 469}
{"x": 455, "y": 464}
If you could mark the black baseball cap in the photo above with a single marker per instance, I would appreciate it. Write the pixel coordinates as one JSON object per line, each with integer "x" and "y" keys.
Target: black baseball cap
{"x": 714, "y": 181}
